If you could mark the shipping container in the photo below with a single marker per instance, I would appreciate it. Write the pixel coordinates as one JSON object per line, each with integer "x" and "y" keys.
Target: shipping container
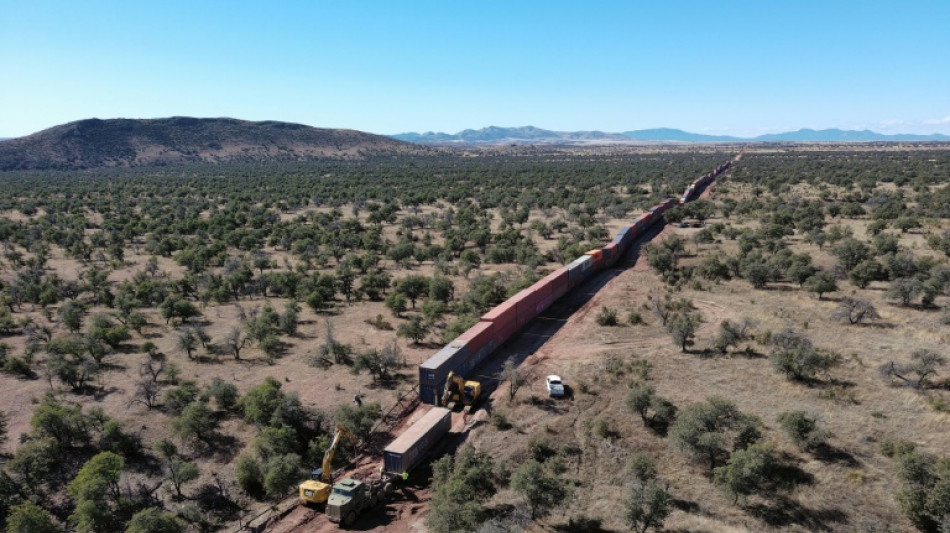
{"x": 527, "y": 301}
{"x": 545, "y": 290}
{"x": 502, "y": 331}
{"x": 435, "y": 370}
{"x": 411, "y": 447}
{"x": 506, "y": 311}
{"x": 477, "y": 337}
{"x": 598, "y": 258}
{"x": 558, "y": 283}
{"x": 579, "y": 270}
{"x": 611, "y": 254}
{"x": 428, "y": 394}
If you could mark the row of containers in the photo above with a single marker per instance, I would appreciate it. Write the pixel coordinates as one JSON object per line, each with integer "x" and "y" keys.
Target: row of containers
{"x": 469, "y": 349}
{"x": 702, "y": 181}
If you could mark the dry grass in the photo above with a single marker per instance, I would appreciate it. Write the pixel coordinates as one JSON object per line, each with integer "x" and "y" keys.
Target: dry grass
{"x": 854, "y": 485}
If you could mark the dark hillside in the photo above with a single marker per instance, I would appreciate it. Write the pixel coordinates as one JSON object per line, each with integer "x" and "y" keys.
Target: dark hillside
{"x": 96, "y": 143}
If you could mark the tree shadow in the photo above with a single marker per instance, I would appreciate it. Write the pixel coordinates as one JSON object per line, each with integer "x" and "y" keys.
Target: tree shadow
{"x": 686, "y": 506}
{"x": 831, "y": 454}
{"x": 782, "y": 511}
{"x": 581, "y": 524}
{"x": 788, "y": 475}
{"x": 214, "y": 499}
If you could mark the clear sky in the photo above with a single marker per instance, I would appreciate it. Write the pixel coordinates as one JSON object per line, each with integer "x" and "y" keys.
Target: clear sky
{"x": 735, "y": 67}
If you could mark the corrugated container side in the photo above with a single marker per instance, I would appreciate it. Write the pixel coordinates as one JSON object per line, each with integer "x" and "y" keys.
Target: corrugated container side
{"x": 579, "y": 269}
{"x": 409, "y": 448}
{"x": 527, "y": 301}
{"x": 504, "y": 330}
{"x": 435, "y": 370}
{"x": 544, "y": 290}
{"x": 558, "y": 283}
{"x": 428, "y": 394}
{"x": 476, "y": 357}
{"x": 504, "y": 312}
{"x": 598, "y": 258}
{"x": 477, "y": 336}
{"x": 452, "y": 351}
{"x": 612, "y": 253}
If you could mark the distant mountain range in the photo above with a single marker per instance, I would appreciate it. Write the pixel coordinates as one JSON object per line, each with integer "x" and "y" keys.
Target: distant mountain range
{"x": 532, "y": 135}
{"x": 96, "y": 143}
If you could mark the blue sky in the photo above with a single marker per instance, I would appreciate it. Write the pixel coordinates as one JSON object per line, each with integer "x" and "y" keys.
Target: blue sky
{"x": 393, "y": 66}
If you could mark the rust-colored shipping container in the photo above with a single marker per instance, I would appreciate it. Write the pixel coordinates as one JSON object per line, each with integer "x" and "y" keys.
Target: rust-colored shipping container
{"x": 527, "y": 301}
{"x": 506, "y": 311}
{"x": 477, "y": 336}
{"x": 557, "y": 282}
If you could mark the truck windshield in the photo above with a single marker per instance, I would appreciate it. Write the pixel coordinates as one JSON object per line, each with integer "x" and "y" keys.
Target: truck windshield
{"x": 342, "y": 492}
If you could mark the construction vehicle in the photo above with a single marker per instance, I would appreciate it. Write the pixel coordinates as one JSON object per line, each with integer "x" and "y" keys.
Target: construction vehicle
{"x": 457, "y": 389}
{"x": 350, "y": 497}
{"x": 316, "y": 490}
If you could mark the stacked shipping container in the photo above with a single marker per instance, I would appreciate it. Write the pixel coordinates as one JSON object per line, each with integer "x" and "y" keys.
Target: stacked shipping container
{"x": 499, "y": 324}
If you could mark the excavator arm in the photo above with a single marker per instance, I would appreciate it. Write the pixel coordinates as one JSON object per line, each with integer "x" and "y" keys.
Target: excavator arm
{"x": 318, "y": 490}
{"x": 341, "y": 431}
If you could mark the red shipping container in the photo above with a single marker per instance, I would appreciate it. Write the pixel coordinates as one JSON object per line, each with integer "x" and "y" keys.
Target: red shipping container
{"x": 502, "y": 331}
{"x": 527, "y": 304}
{"x": 506, "y": 311}
{"x": 561, "y": 283}
{"x": 477, "y": 336}
{"x": 612, "y": 251}
{"x": 598, "y": 257}
{"x": 557, "y": 283}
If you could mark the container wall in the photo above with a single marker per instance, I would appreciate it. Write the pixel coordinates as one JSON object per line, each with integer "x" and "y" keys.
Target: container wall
{"x": 527, "y": 302}
{"x": 579, "y": 270}
{"x": 409, "y": 448}
{"x": 506, "y": 311}
{"x": 550, "y": 289}
{"x": 476, "y": 357}
{"x": 611, "y": 254}
{"x": 428, "y": 394}
{"x": 434, "y": 372}
{"x": 598, "y": 258}
{"x": 477, "y": 336}
{"x": 503, "y": 330}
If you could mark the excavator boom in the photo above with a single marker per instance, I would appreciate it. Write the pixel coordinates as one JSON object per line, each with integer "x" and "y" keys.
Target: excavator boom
{"x": 318, "y": 490}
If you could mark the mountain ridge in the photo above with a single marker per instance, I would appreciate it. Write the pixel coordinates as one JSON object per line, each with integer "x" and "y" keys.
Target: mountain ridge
{"x": 98, "y": 143}
{"x": 527, "y": 134}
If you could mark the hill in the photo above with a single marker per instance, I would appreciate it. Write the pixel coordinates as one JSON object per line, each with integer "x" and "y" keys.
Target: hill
{"x": 836, "y": 135}
{"x": 494, "y": 135}
{"x": 500, "y": 135}
{"x": 95, "y": 143}
{"x": 670, "y": 134}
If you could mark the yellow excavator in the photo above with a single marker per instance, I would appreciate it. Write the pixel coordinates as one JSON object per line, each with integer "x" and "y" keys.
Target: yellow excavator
{"x": 316, "y": 490}
{"x": 457, "y": 389}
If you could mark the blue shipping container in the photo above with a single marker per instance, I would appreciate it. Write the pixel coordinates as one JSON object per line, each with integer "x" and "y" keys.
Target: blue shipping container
{"x": 435, "y": 370}
{"x": 427, "y": 394}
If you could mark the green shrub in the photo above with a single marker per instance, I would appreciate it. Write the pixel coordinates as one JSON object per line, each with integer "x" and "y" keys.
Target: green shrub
{"x": 607, "y": 317}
